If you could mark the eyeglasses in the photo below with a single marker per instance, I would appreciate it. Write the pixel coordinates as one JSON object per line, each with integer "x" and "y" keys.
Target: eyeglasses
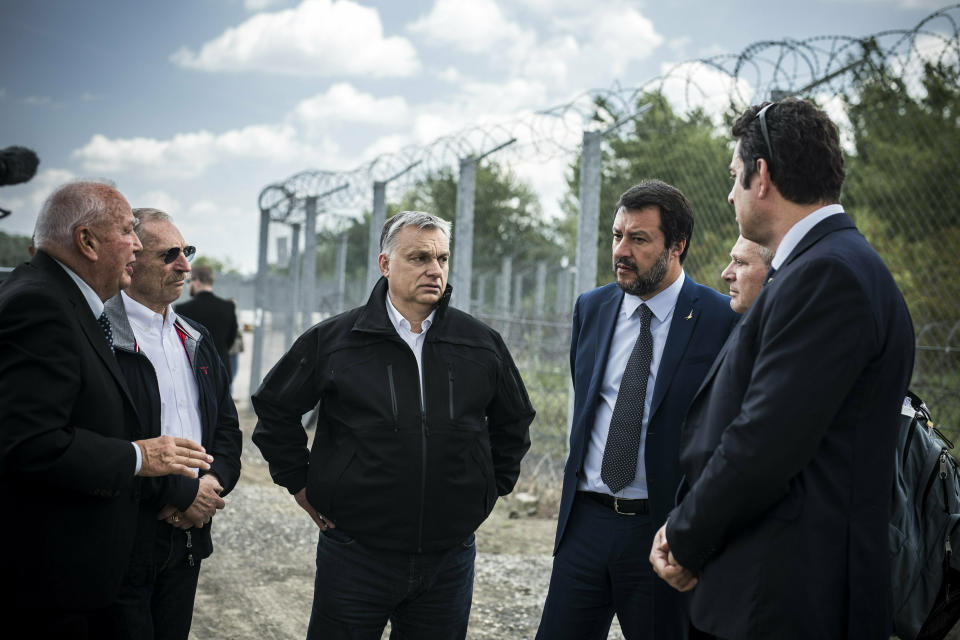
{"x": 762, "y": 116}
{"x": 173, "y": 253}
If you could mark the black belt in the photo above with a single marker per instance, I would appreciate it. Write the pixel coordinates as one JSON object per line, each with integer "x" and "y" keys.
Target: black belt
{"x": 623, "y": 506}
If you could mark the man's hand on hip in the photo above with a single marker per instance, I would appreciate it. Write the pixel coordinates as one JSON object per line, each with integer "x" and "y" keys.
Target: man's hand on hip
{"x": 322, "y": 522}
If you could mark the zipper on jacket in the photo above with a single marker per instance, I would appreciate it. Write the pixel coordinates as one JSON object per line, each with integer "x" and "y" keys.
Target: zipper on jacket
{"x": 424, "y": 432}
{"x": 393, "y": 398}
{"x": 450, "y": 378}
{"x": 189, "y": 548}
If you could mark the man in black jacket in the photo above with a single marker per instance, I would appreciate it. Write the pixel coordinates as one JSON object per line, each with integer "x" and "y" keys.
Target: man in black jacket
{"x": 219, "y": 316}
{"x": 422, "y": 423}
{"x": 180, "y": 387}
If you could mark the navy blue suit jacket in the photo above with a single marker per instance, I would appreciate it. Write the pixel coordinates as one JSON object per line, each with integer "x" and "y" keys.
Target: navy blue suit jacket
{"x": 701, "y": 322}
{"x": 788, "y": 451}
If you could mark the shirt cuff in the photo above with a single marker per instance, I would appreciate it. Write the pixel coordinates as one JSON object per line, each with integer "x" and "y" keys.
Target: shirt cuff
{"x": 136, "y": 448}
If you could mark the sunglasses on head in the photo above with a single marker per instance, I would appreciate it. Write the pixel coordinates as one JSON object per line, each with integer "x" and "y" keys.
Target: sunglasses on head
{"x": 173, "y": 253}
{"x": 762, "y": 117}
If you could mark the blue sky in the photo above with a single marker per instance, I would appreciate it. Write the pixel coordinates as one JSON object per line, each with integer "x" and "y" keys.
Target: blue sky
{"x": 194, "y": 106}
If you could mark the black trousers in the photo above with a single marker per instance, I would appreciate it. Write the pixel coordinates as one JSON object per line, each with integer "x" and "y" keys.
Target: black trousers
{"x": 156, "y": 598}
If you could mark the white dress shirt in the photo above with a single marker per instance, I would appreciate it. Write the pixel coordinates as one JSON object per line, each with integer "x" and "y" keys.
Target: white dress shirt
{"x": 414, "y": 340}
{"x": 157, "y": 339}
{"x": 802, "y": 227}
{"x": 625, "y": 335}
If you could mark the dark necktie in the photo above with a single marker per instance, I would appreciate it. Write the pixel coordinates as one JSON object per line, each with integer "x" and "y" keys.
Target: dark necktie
{"x": 104, "y": 323}
{"x": 770, "y": 275}
{"x": 623, "y": 439}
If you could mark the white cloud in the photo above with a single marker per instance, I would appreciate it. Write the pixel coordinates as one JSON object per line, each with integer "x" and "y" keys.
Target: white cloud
{"x": 188, "y": 154}
{"x": 259, "y": 5}
{"x": 317, "y": 38}
{"x": 344, "y": 103}
{"x": 25, "y": 200}
{"x": 692, "y": 85}
{"x": 477, "y": 26}
{"x": 158, "y": 199}
{"x": 611, "y": 36}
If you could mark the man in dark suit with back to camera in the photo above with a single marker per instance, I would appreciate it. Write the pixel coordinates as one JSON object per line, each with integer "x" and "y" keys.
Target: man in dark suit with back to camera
{"x": 422, "y": 423}
{"x": 788, "y": 445}
{"x": 639, "y": 349}
{"x": 69, "y": 451}
{"x": 219, "y": 316}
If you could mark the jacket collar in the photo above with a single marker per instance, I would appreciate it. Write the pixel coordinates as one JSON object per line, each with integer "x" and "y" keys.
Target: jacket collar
{"x": 836, "y": 222}
{"x": 373, "y": 316}
{"x": 123, "y": 338}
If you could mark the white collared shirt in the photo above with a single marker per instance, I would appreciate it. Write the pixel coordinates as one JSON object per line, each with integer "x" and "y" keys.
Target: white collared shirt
{"x": 800, "y": 229}
{"x": 625, "y": 334}
{"x": 414, "y": 340}
{"x": 96, "y": 306}
{"x": 157, "y": 338}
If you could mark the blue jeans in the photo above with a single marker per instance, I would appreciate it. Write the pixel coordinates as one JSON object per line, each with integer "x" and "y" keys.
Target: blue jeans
{"x": 425, "y": 596}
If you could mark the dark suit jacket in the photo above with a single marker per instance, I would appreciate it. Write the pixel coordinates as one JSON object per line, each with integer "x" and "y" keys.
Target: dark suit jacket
{"x": 701, "y": 322}
{"x": 219, "y": 316}
{"x": 788, "y": 451}
{"x": 67, "y": 485}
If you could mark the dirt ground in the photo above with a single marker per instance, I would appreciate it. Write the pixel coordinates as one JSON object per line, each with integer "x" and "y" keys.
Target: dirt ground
{"x": 258, "y": 583}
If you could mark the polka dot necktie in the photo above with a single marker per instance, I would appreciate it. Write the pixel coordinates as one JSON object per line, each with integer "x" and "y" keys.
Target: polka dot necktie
{"x": 104, "y": 323}
{"x": 623, "y": 440}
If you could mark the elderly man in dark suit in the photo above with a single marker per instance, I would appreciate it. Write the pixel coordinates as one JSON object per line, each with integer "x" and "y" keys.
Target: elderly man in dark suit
{"x": 67, "y": 460}
{"x": 639, "y": 349}
{"x": 217, "y": 315}
{"x": 789, "y": 443}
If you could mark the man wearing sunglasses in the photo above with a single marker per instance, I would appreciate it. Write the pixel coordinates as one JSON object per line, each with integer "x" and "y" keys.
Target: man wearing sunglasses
{"x": 788, "y": 445}
{"x": 181, "y": 388}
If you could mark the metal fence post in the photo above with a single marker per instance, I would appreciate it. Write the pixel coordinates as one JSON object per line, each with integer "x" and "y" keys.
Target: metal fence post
{"x": 377, "y": 218}
{"x": 341, "y": 274}
{"x": 294, "y": 275}
{"x": 589, "y": 211}
{"x": 259, "y": 301}
{"x": 309, "y": 269}
{"x": 463, "y": 234}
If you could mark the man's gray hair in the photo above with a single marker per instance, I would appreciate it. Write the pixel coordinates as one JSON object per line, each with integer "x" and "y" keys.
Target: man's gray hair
{"x": 72, "y": 205}
{"x": 418, "y": 219}
{"x": 149, "y": 214}
{"x": 763, "y": 253}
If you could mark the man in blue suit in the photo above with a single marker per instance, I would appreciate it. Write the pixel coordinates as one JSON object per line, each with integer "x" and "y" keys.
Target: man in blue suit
{"x": 789, "y": 443}
{"x": 639, "y": 350}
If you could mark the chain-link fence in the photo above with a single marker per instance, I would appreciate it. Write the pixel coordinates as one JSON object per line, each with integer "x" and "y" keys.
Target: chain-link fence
{"x": 895, "y": 97}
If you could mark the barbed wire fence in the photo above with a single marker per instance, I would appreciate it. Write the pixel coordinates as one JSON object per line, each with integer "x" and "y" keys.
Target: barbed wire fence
{"x": 898, "y": 125}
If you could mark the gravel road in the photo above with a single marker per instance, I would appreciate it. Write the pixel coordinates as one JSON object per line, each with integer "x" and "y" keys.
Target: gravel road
{"x": 258, "y": 583}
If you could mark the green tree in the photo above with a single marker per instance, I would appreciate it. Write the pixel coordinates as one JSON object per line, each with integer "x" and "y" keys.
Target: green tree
{"x": 13, "y": 249}
{"x": 508, "y": 220}
{"x": 902, "y": 190}
{"x": 687, "y": 152}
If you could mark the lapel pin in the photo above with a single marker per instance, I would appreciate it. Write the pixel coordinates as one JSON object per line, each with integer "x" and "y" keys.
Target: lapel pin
{"x": 689, "y": 315}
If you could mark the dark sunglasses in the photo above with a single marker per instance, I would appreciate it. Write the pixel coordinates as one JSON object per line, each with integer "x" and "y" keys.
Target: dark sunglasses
{"x": 173, "y": 253}
{"x": 762, "y": 116}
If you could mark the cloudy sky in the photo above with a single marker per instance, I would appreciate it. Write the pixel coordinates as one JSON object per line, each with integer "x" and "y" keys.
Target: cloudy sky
{"x": 193, "y": 106}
